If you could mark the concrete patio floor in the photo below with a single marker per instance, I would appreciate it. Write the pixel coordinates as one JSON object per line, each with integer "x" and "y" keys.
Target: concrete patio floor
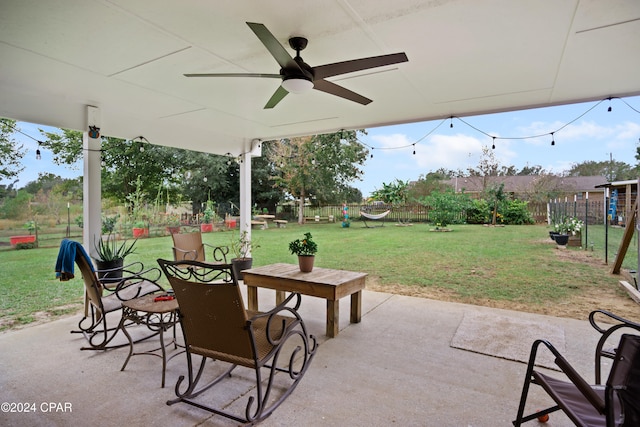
{"x": 396, "y": 367}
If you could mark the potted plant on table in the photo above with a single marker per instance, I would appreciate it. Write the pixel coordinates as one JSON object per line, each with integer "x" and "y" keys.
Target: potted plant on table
{"x": 241, "y": 247}
{"x": 306, "y": 250}
{"x": 110, "y": 257}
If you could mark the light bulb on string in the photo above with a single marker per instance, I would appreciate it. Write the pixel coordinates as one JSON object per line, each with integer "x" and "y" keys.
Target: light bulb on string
{"x": 553, "y": 140}
{"x": 414, "y": 149}
{"x": 38, "y": 155}
{"x": 493, "y": 146}
{"x": 451, "y": 123}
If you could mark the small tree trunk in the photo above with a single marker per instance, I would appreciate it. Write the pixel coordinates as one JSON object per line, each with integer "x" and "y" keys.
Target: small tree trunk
{"x": 495, "y": 214}
{"x": 301, "y": 209}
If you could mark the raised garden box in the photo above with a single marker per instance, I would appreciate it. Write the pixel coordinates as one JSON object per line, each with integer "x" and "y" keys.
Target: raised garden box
{"x": 15, "y": 240}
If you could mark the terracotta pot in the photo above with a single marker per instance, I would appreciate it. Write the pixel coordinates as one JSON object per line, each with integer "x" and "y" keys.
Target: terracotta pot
{"x": 306, "y": 263}
{"x": 140, "y": 232}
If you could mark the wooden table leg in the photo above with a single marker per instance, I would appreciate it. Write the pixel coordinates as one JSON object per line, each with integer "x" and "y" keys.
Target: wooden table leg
{"x": 252, "y": 298}
{"x": 280, "y": 297}
{"x": 356, "y": 307}
{"x": 333, "y": 318}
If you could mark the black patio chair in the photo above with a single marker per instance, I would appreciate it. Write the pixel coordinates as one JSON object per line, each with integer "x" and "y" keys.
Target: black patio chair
{"x": 104, "y": 296}
{"x": 620, "y": 324}
{"x": 617, "y": 404}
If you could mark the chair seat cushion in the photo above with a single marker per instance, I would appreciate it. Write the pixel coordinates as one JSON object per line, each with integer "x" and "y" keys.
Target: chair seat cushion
{"x": 572, "y": 401}
{"x": 113, "y": 302}
{"x": 263, "y": 347}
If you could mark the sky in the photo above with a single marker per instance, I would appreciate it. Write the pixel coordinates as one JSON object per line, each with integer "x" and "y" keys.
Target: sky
{"x": 582, "y": 132}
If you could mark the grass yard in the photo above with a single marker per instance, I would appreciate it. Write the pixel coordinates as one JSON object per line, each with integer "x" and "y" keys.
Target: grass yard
{"x": 515, "y": 267}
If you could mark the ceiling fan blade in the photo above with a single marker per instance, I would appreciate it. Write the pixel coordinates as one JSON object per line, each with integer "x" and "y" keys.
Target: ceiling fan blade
{"x": 272, "y": 44}
{"x": 334, "y": 89}
{"x": 329, "y": 70}
{"x": 279, "y": 94}
{"x": 270, "y": 76}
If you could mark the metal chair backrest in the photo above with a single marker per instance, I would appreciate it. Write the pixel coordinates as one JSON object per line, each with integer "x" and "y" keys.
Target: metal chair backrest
{"x": 624, "y": 383}
{"x": 188, "y": 246}
{"x": 211, "y": 309}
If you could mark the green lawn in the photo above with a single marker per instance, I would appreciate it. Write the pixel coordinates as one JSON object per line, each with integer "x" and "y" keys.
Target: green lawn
{"x": 472, "y": 263}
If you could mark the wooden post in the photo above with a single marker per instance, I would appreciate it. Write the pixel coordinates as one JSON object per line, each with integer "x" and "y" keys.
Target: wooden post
{"x": 626, "y": 239}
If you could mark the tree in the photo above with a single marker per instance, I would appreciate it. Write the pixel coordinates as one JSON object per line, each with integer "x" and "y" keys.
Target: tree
{"x": 531, "y": 170}
{"x": 433, "y": 181}
{"x": 612, "y": 170}
{"x": 317, "y": 167}
{"x": 394, "y": 193}
{"x": 487, "y": 166}
{"x": 10, "y": 152}
{"x": 495, "y": 195}
{"x": 447, "y": 207}
{"x": 210, "y": 177}
{"x": 123, "y": 160}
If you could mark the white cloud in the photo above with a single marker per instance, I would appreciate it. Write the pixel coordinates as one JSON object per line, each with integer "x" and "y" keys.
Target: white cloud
{"x": 448, "y": 151}
{"x": 391, "y": 141}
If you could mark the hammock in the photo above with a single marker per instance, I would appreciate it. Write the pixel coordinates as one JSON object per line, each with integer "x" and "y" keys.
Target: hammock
{"x": 374, "y": 217}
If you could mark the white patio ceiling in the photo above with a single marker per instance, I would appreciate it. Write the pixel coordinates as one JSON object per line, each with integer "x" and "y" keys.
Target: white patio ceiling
{"x": 466, "y": 57}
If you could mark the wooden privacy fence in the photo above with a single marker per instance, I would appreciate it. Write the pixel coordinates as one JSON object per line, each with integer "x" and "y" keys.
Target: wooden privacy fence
{"x": 591, "y": 211}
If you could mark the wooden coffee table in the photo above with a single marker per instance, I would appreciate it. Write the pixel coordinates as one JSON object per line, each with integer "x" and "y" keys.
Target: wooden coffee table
{"x": 321, "y": 282}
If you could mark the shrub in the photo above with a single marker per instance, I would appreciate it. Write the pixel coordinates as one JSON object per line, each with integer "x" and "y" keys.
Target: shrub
{"x": 447, "y": 207}
{"x": 516, "y": 212}
{"x": 29, "y": 245}
{"x": 479, "y": 212}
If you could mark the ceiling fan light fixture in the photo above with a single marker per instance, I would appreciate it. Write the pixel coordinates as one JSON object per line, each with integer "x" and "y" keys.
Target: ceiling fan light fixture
{"x": 297, "y": 85}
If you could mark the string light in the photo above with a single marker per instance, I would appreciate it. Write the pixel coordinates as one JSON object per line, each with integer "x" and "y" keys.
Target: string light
{"x": 414, "y": 148}
{"x": 493, "y": 146}
{"x": 450, "y": 118}
{"x": 553, "y": 140}
{"x": 38, "y": 155}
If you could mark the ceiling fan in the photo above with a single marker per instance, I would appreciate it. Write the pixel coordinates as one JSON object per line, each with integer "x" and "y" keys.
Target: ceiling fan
{"x": 299, "y": 77}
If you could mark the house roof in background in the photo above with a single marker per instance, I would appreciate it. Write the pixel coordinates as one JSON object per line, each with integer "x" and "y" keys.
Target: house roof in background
{"x": 524, "y": 183}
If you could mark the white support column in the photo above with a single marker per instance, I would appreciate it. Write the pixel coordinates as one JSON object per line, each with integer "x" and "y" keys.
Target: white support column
{"x": 92, "y": 196}
{"x": 253, "y": 150}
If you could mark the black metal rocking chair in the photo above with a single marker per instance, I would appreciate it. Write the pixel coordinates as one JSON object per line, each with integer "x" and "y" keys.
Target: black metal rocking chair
{"x": 608, "y": 330}
{"x": 617, "y": 404}
{"x": 104, "y": 296}
{"x": 217, "y": 327}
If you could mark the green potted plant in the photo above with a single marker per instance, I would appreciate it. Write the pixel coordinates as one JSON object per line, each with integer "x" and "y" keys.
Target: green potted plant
{"x": 207, "y": 217}
{"x": 306, "y": 250}
{"x": 566, "y": 229}
{"x": 140, "y": 229}
{"x": 241, "y": 247}
{"x": 110, "y": 256}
